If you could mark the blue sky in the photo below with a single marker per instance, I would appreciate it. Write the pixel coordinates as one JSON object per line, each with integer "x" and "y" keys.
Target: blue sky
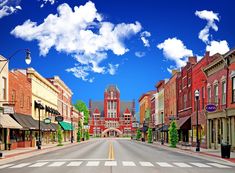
{"x": 133, "y": 44}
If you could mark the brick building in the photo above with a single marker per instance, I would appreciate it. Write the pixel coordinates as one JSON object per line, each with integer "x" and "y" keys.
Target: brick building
{"x": 216, "y": 73}
{"x": 184, "y": 100}
{"x": 199, "y": 82}
{"x": 230, "y": 117}
{"x": 111, "y": 117}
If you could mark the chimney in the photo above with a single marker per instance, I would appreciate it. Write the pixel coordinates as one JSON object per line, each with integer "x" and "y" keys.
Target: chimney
{"x": 192, "y": 60}
{"x": 173, "y": 72}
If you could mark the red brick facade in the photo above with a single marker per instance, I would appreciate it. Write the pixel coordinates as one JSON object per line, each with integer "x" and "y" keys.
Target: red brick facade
{"x": 20, "y": 92}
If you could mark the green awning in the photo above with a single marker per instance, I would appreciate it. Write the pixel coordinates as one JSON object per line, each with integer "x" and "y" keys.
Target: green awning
{"x": 66, "y": 126}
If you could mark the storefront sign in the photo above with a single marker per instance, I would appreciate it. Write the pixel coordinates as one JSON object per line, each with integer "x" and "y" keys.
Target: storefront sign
{"x": 8, "y": 110}
{"x": 59, "y": 118}
{"x": 211, "y": 108}
{"x": 47, "y": 121}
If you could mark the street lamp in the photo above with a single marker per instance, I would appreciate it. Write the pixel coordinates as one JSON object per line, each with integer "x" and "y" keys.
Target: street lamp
{"x": 27, "y": 58}
{"x": 39, "y": 106}
{"x": 162, "y": 130}
{"x": 197, "y": 99}
{"x": 71, "y": 129}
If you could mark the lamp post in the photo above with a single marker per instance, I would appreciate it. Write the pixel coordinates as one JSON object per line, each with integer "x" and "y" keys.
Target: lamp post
{"x": 39, "y": 106}
{"x": 27, "y": 58}
{"x": 197, "y": 99}
{"x": 162, "y": 141}
{"x": 71, "y": 129}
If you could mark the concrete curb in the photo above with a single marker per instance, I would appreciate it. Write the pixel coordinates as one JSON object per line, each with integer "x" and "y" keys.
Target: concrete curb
{"x": 189, "y": 153}
{"x": 36, "y": 152}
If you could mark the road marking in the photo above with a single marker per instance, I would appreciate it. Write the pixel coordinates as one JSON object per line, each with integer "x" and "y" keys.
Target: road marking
{"x": 201, "y": 165}
{"x": 38, "y": 164}
{"x": 5, "y": 166}
{"x": 146, "y": 164}
{"x": 164, "y": 164}
{"x": 56, "y": 164}
{"x": 128, "y": 163}
{"x": 74, "y": 164}
{"x": 218, "y": 165}
{"x": 92, "y": 163}
{"x": 182, "y": 165}
{"x": 111, "y": 151}
{"x": 110, "y": 163}
{"x": 20, "y": 165}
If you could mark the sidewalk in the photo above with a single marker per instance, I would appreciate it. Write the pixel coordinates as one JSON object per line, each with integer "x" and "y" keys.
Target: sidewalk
{"x": 22, "y": 153}
{"x": 203, "y": 151}
{"x": 208, "y": 154}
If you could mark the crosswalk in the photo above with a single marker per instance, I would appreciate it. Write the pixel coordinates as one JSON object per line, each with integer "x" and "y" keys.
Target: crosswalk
{"x": 113, "y": 163}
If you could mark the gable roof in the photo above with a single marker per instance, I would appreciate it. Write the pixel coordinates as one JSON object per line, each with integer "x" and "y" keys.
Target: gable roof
{"x": 127, "y": 111}
{"x": 96, "y": 111}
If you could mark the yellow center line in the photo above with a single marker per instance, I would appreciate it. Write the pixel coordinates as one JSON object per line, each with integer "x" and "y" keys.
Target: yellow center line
{"x": 111, "y": 151}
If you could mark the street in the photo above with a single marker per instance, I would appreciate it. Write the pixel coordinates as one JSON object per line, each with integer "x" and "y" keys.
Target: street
{"x": 113, "y": 155}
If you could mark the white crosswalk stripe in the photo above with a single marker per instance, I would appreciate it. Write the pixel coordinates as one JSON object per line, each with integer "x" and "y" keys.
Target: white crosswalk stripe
{"x": 201, "y": 165}
{"x": 5, "y": 166}
{"x": 56, "y": 164}
{"x": 110, "y": 163}
{"x": 128, "y": 163}
{"x": 38, "y": 164}
{"x": 146, "y": 164}
{"x": 74, "y": 164}
{"x": 93, "y": 163}
{"x": 21, "y": 165}
{"x": 164, "y": 164}
{"x": 182, "y": 165}
{"x": 218, "y": 165}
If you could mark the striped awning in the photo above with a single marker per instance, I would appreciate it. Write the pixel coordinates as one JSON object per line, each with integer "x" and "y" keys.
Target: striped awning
{"x": 7, "y": 122}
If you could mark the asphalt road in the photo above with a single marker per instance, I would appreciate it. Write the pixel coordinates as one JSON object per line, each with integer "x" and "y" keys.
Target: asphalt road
{"x": 111, "y": 155}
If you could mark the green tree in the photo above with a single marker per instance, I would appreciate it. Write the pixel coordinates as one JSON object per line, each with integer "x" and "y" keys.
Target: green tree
{"x": 81, "y": 107}
{"x": 79, "y": 132}
{"x": 150, "y": 135}
{"x": 60, "y": 136}
{"x": 138, "y": 134}
{"x": 173, "y": 134}
{"x": 147, "y": 114}
{"x": 87, "y": 135}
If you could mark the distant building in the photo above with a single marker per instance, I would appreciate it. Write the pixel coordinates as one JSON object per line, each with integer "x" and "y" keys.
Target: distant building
{"x": 111, "y": 116}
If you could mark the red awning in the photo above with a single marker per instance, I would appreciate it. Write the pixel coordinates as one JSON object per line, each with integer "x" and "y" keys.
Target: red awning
{"x": 180, "y": 122}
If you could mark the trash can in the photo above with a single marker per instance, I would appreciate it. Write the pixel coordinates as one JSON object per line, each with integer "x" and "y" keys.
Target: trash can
{"x": 142, "y": 139}
{"x": 225, "y": 150}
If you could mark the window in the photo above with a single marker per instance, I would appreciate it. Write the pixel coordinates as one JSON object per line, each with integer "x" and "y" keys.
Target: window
{"x": 223, "y": 93}
{"x": 189, "y": 81}
{"x": 4, "y": 89}
{"x": 203, "y": 97}
{"x": 28, "y": 102}
{"x": 209, "y": 94}
{"x": 185, "y": 101}
{"x": 216, "y": 93}
{"x": 13, "y": 96}
{"x": 233, "y": 91}
{"x": 22, "y": 100}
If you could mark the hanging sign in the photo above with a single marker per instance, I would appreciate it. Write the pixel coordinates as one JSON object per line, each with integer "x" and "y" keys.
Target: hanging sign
{"x": 211, "y": 108}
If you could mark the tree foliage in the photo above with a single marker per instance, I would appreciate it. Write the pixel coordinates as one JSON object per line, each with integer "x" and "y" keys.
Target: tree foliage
{"x": 81, "y": 107}
{"x": 147, "y": 114}
{"x": 138, "y": 134}
{"x": 150, "y": 135}
{"x": 79, "y": 132}
{"x": 59, "y": 136}
{"x": 173, "y": 134}
{"x": 87, "y": 135}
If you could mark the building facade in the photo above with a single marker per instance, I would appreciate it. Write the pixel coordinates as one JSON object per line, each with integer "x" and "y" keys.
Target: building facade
{"x": 111, "y": 117}
{"x": 64, "y": 105}
{"x": 184, "y": 100}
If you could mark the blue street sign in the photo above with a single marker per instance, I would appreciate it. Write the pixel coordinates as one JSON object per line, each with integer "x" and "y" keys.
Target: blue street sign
{"x": 211, "y": 108}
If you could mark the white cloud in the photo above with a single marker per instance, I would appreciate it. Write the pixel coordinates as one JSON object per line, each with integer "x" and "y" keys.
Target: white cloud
{"x": 47, "y": 1}
{"x": 144, "y": 35}
{"x": 113, "y": 68}
{"x": 140, "y": 54}
{"x": 175, "y": 50}
{"x": 211, "y": 18}
{"x": 218, "y": 47}
{"x": 80, "y": 32}
{"x": 9, "y": 7}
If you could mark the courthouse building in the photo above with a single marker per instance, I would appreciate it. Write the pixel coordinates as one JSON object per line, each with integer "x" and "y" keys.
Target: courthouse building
{"x": 111, "y": 116}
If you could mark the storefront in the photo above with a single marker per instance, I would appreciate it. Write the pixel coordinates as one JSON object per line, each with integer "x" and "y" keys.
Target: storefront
{"x": 67, "y": 128}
